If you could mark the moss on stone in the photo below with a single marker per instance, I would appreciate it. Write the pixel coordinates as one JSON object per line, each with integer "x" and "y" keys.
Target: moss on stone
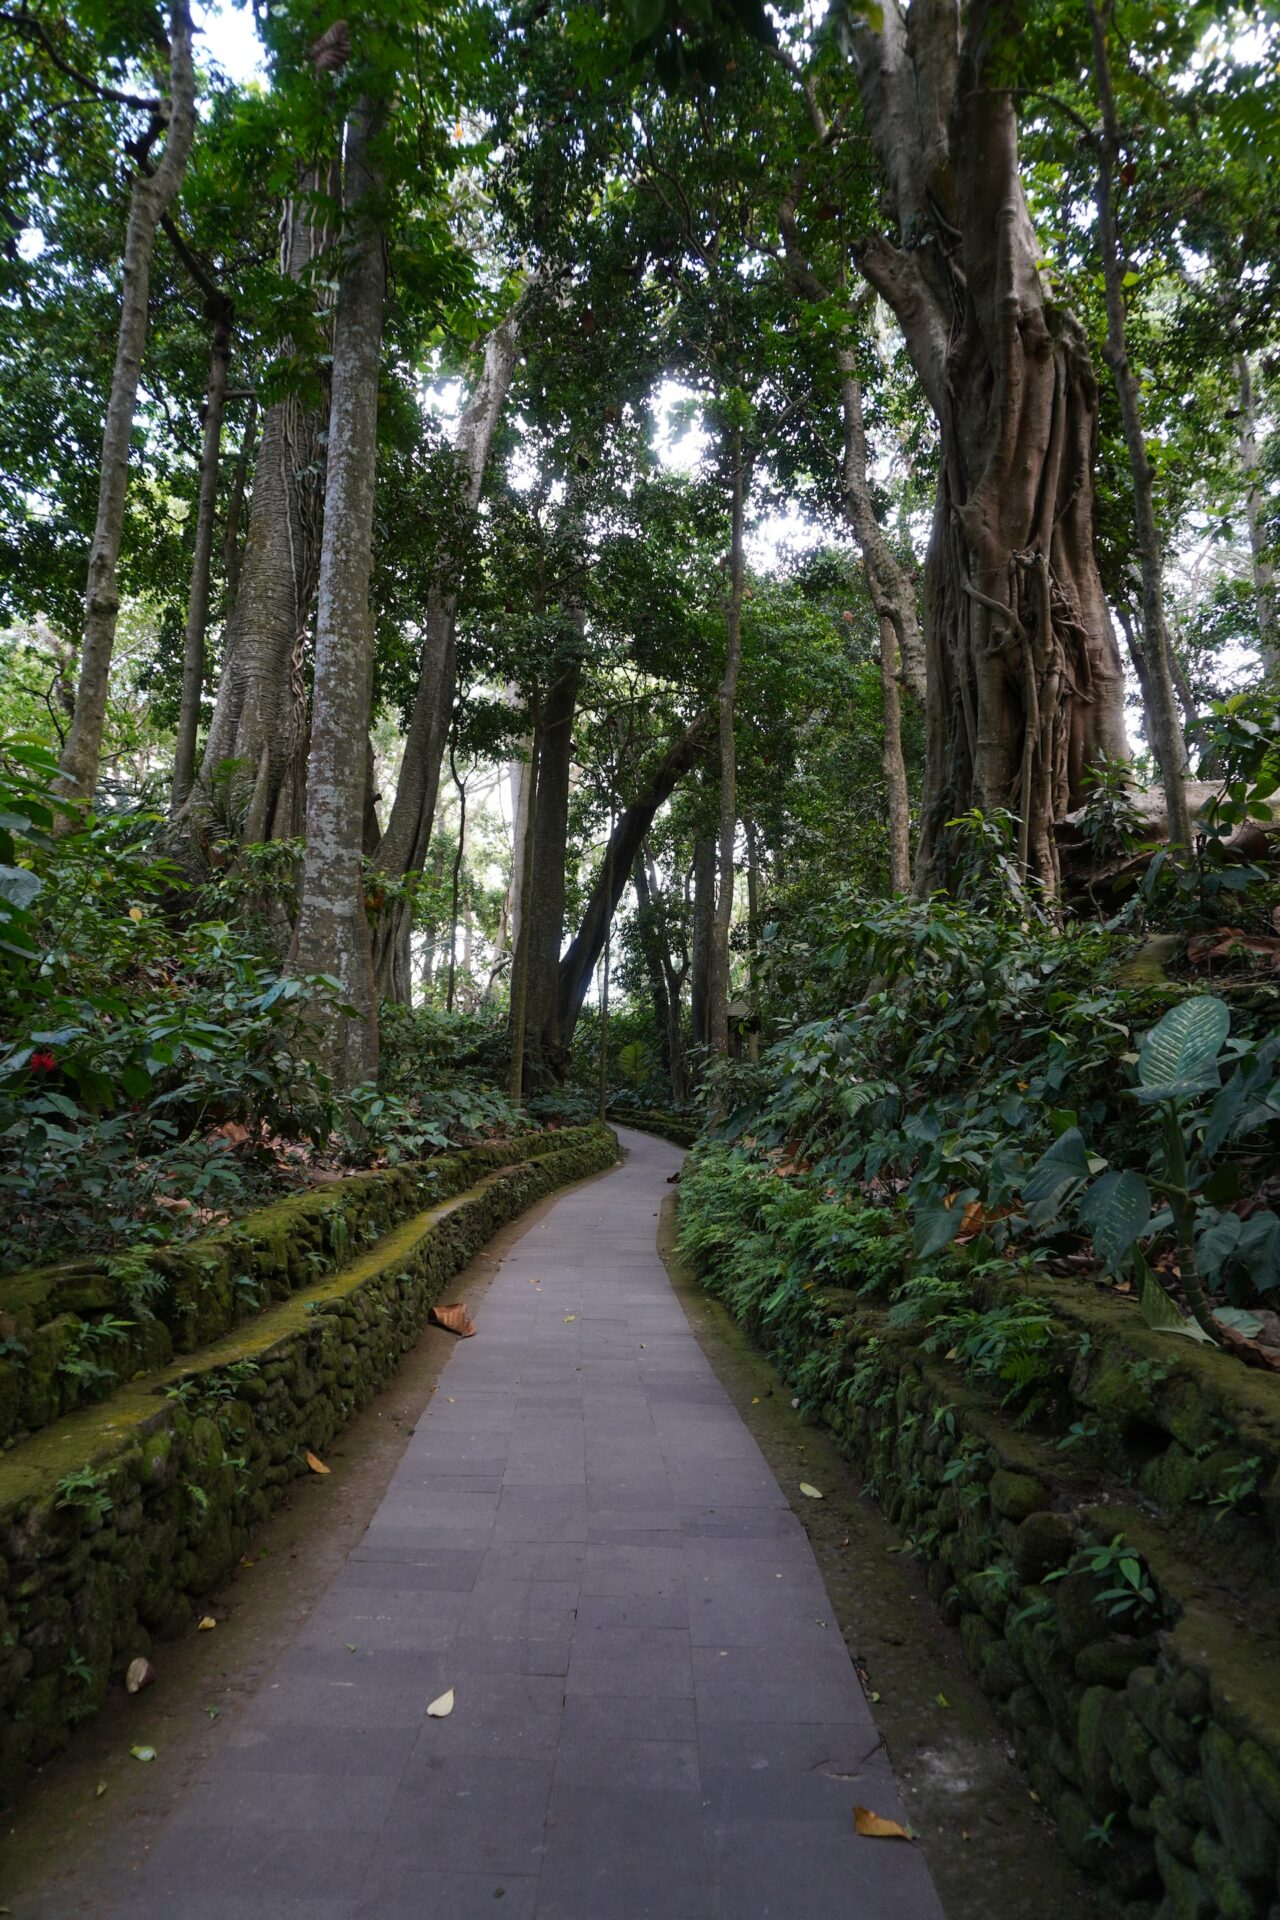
{"x": 161, "y": 1512}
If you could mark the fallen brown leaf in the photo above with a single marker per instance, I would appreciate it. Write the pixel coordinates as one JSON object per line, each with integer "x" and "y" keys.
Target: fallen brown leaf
{"x": 873, "y": 1826}
{"x": 316, "y": 1465}
{"x": 454, "y": 1319}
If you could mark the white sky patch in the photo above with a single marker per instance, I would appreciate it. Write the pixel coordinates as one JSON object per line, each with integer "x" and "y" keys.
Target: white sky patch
{"x": 229, "y": 36}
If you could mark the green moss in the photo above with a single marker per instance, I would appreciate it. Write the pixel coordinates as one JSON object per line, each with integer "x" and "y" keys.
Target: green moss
{"x": 171, "y": 1513}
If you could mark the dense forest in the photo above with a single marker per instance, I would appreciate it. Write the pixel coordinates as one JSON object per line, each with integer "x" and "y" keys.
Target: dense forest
{"x": 701, "y": 566}
{"x": 718, "y": 562}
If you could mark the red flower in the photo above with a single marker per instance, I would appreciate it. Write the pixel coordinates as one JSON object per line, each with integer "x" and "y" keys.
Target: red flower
{"x": 42, "y": 1063}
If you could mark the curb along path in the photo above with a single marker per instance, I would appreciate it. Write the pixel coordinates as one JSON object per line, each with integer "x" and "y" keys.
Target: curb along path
{"x": 655, "y": 1717}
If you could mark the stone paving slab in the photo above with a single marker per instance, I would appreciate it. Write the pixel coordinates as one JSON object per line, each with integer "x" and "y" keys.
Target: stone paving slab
{"x": 655, "y": 1716}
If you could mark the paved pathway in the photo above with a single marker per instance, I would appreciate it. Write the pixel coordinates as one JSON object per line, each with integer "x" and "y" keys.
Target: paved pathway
{"x": 655, "y": 1718}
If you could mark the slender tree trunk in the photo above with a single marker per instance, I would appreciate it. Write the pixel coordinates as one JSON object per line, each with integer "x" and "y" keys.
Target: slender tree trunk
{"x": 518, "y": 1019}
{"x": 893, "y": 595}
{"x": 231, "y": 553}
{"x": 332, "y": 934}
{"x": 458, "y": 857}
{"x": 151, "y": 195}
{"x": 1168, "y": 742}
{"x": 704, "y": 906}
{"x": 891, "y": 587}
{"x": 753, "y": 937}
{"x": 650, "y": 941}
{"x": 509, "y": 919}
{"x": 723, "y": 919}
{"x": 602, "y": 1109}
{"x": 625, "y": 842}
{"x": 404, "y": 844}
{"x": 184, "y": 757}
{"x": 257, "y": 739}
{"x": 550, "y": 840}
{"x": 1025, "y": 684}
{"x": 1264, "y": 573}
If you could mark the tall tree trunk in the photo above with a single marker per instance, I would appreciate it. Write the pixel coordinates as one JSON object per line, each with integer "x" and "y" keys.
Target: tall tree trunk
{"x": 518, "y": 1018}
{"x": 332, "y": 934}
{"x": 231, "y": 552}
{"x": 624, "y": 843}
{"x": 257, "y": 740}
{"x": 1264, "y": 572}
{"x": 184, "y": 756}
{"x": 151, "y": 195}
{"x": 1168, "y": 742}
{"x": 550, "y": 839}
{"x": 509, "y": 919}
{"x": 404, "y": 844}
{"x": 1025, "y": 683}
{"x": 723, "y": 918}
{"x": 458, "y": 857}
{"x": 893, "y": 595}
{"x": 753, "y": 936}
{"x": 650, "y": 942}
{"x": 704, "y": 906}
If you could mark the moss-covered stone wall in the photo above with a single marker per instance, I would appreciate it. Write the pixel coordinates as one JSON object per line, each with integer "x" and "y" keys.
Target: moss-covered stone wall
{"x": 86, "y": 1325}
{"x": 1143, "y": 1698}
{"x": 679, "y": 1128}
{"x": 114, "y": 1520}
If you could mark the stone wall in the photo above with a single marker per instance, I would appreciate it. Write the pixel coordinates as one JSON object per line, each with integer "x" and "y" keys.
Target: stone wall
{"x": 1147, "y": 1716}
{"x": 115, "y": 1520}
{"x": 680, "y": 1128}
{"x": 86, "y": 1325}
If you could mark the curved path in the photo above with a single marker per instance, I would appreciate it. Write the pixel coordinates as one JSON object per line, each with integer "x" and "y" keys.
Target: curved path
{"x": 655, "y": 1716}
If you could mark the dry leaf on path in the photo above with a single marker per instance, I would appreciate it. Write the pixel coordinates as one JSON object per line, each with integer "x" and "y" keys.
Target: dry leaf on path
{"x": 316, "y": 1465}
{"x": 873, "y": 1826}
{"x": 454, "y": 1319}
{"x": 208, "y": 1624}
{"x": 441, "y": 1708}
{"x": 140, "y": 1674}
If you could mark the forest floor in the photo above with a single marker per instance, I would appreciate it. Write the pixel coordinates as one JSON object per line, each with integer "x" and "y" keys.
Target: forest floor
{"x": 586, "y": 1524}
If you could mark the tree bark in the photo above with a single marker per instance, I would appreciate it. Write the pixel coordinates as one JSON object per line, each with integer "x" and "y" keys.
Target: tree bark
{"x": 509, "y": 919}
{"x": 231, "y": 553}
{"x": 723, "y": 917}
{"x": 257, "y": 740}
{"x": 1025, "y": 683}
{"x": 332, "y": 934}
{"x": 403, "y": 848}
{"x": 458, "y": 857}
{"x": 704, "y": 903}
{"x": 1264, "y": 573}
{"x": 1168, "y": 742}
{"x": 550, "y": 838}
{"x": 184, "y": 756}
{"x": 151, "y": 194}
{"x": 893, "y": 595}
{"x": 518, "y": 1020}
{"x": 624, "y": 843}
{"x": 650, "y": 941}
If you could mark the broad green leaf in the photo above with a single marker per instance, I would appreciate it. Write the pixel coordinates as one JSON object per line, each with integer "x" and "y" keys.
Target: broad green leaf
{"x": 1063, "y": 1166}
{"x": 1183, "y": 1049}
{"x": 1117, "y": 1211}
{"x": 1240, "y": 1321}
{"x": 1160, "y": 1313}
{"x": 18, "y": 886}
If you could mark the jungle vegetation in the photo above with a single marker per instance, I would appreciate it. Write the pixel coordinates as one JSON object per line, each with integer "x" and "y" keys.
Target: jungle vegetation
{"x": 707, "y": 558}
